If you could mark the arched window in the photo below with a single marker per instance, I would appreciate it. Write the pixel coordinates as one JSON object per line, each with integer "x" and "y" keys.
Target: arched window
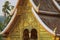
{"x": 26, "y": 34}
{"x": 34, "y": 34}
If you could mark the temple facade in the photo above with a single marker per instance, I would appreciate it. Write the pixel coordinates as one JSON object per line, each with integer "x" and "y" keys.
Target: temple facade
{"x": 27, "y": 26}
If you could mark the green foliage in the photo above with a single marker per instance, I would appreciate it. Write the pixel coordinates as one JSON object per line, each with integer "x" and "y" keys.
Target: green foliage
{"x": 6, "y": 8}
{"x": 7, "y": 20}
{"x": 1, "y": 37}
{"x": 1, "y": 26}
{"x": 12, "y": 7}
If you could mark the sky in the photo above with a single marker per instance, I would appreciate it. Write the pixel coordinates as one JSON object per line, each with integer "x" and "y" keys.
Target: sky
{"x": 13, "y": 2}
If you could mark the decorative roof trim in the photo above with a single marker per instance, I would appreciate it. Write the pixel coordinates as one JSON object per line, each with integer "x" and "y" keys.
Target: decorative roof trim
{"x": 42, "y": 23}
{"x": 35, "y": 7}
{"x": 56, "y": 4}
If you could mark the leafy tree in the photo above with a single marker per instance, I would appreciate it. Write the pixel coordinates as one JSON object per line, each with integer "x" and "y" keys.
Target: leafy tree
{"x": 1, "y": 38}
{"x": 6, "y": 8}
{"x": 1, "y": 26}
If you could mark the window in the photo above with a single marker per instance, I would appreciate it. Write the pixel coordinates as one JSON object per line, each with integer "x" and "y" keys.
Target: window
{"x": 34, "y": 34}
{"x": 30, "y": 36}
{"x": 26, "y": 34}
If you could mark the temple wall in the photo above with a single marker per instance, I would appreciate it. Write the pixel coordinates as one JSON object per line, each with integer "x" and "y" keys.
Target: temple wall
{"x": 27, "y": 21}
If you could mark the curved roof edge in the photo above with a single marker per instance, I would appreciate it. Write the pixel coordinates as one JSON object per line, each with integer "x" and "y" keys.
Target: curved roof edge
{"x": 56, "y": 4}
{"x": 34, "y": 6}
{"x": 14, "y": 13}
{"x": 41, "y": 22}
